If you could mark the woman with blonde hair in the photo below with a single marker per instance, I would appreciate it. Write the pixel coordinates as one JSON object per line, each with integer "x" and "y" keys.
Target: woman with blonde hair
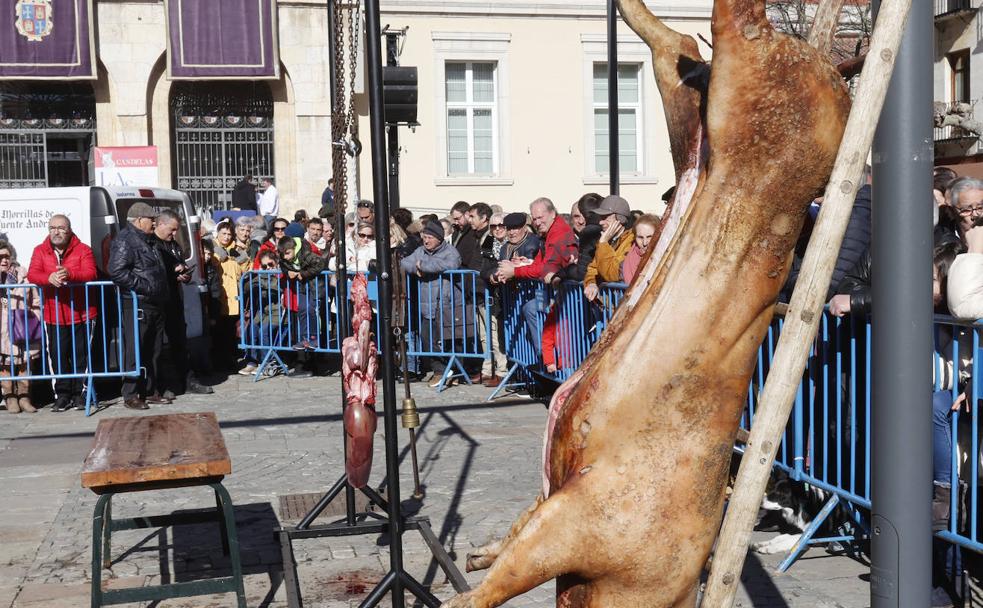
{"x": 17, "y": 344}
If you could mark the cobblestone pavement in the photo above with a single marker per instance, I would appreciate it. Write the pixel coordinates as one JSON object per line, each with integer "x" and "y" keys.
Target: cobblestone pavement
{"x": 479, "y": 464}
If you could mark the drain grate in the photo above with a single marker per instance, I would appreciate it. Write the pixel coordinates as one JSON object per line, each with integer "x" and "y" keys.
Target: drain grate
{"x": 295, "y": 506}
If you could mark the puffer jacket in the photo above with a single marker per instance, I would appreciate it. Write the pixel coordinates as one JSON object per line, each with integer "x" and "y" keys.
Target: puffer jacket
{"x": 439, "y": 300}
{"x": 557, "y": 251}
{"x": 965, "y": 286}
{"x": 135, "y": 263}
{"x": 15, "y": 300}
{"x": 81, "y": 267}
{"x": 229, "y": 264}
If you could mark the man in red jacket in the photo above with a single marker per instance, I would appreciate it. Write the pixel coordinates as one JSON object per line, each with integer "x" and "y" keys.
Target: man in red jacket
{"x": 60, "y": 260}
{"x": 557, "y": 250}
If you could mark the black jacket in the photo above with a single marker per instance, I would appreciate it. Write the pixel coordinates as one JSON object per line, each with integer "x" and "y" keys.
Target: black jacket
{"x": 856, "y": 284}
{"x": 135, "y": 263}
{"x": 856, "y": 240}
{"x": 586, "y": 247}
{"x": 244, "y": 196}
{"x": 172, "y": 256}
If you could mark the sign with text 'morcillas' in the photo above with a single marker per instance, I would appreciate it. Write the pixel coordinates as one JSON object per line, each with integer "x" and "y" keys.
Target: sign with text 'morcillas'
{"x": 47, "y": 39}
{"x": 222, "y": 39}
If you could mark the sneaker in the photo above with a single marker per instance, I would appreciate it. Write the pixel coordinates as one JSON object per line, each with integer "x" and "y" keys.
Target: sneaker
{"x": 299, "y": 372}
{"x": 272, "y": 369}
{"x": 169, "y": 395}
{"x": 62, "y": 404}
{"x": 435, "y": 380}
{"x": 302, "y": 345}
{"x": 249, "y": 370}
{"x": 492, "y": 381}
{"x": 157, "y": 399}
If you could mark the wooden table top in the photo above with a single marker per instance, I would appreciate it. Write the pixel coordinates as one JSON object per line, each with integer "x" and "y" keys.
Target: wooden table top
{"x": 148, "y": 449}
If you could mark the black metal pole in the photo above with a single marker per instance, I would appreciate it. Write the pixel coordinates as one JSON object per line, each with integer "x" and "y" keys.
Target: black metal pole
{"x": 901, "y": 477}
{"x": 392, "y": 59}
{"x": 614, "y": 165}
{"x": 384, "y": 264}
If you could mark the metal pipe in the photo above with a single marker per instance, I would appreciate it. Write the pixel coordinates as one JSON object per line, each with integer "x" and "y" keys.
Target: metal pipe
{"x": 392, "y": 59}
{"x": 384, "y": 263}
{"x": 901, "y": 564}
{"x": 613, "y": 148}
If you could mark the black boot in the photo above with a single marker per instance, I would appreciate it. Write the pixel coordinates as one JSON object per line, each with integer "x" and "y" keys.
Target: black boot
{"x": 940, "y": 507}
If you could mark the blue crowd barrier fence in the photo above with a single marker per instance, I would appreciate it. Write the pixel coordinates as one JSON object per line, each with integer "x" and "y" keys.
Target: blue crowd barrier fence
{"x": 827, "y": 442}
{"x": 39, "y": 341}
{"x": 442, "y": 315}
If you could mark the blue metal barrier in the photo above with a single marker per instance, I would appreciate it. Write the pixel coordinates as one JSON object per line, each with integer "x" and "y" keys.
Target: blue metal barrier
{"x": 49, "y": 350}
{"x": 277, "y": 314}
{"x": 530, "y": 308}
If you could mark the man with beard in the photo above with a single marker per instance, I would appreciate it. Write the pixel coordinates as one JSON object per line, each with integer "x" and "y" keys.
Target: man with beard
{"x": 62, "y": 259}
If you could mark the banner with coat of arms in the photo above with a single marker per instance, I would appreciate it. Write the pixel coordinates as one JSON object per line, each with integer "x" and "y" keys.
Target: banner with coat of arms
{"x": 47, "y": 39}
{"x": 222, "y": 39}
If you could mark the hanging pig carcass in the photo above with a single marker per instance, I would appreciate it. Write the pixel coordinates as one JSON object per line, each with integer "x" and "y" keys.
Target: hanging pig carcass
{"x": 639, "y": 439}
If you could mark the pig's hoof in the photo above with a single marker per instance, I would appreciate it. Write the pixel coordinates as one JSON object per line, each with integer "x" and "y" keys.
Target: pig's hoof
{"x": 464, "y": 600}
{"x": 483, "y": 557}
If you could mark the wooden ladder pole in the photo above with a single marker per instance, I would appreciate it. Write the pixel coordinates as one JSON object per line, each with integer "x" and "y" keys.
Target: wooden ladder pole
{"x": 806, "y": 307}
{"x": 824, "y": 25}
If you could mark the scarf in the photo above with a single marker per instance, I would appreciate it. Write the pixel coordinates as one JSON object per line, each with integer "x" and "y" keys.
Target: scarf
{"x": 629, "y": 267}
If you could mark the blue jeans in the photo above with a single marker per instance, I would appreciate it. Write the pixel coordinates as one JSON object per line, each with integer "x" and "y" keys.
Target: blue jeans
{"x": 530, "y": 313}
{"x": 942, "y": 437}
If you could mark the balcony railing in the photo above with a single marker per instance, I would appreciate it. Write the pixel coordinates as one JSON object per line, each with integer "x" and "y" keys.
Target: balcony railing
{"x": 952, "y": 133}
{"x": 951, "y": 8}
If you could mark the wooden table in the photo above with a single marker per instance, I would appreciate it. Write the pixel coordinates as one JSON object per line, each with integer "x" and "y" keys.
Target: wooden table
{"x": 145, "y": 453}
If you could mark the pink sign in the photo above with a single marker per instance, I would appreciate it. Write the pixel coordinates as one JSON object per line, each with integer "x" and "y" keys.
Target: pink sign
{"x": 126, "y": 166}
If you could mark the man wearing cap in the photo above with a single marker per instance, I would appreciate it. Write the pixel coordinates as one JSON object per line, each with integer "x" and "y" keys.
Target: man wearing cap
{"x": 519, "y": 242}
{"x": 135, "y": 264}
{"x": 615, "y": 243}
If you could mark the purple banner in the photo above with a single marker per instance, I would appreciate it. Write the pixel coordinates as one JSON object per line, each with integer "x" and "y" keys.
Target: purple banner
{"x": 222, "y": 39}
{"x": 44, "y": 39}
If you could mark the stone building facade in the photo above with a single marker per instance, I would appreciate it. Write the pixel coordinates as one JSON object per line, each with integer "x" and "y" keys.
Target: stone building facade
{"x": 510, "y": 106}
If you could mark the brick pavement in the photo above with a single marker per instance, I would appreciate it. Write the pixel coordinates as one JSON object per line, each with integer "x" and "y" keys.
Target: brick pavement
{"x": 479, "y": 465}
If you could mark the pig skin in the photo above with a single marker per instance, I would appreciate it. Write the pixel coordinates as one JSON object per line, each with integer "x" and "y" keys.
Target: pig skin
{"x": 641, "y": 436}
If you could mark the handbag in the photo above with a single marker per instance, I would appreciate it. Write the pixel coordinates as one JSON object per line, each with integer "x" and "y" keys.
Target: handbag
{"x": 24, "y": 328}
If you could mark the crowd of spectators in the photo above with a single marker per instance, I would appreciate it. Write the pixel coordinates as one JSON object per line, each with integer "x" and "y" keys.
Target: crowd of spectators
{"x": 600, "y": 241}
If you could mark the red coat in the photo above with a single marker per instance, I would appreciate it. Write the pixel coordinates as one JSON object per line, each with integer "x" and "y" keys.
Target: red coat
{"x": 556, "y": 252}
{"x": 81, "y": 266}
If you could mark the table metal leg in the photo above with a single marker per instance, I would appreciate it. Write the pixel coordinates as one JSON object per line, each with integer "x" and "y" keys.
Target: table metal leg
{"x": 229, "y": 518}
{"x": 290, "y": 579}
{"x": 107, "y": 526}
{"x": 98, "y": 531}
{"x": 222, "y": 524}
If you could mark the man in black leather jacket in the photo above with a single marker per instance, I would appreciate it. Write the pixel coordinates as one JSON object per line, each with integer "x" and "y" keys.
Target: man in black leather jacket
{"x": 135, "y": 264}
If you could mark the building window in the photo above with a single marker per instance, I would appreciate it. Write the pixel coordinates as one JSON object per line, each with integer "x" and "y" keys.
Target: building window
{"x": 472, "y": 141}
{"x": 630, "y": 132}
{"x": 959, "y": 83}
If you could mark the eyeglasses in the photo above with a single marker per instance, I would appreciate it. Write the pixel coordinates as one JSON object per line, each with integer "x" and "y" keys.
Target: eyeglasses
{"x": 269, "y": 266}
{"x": 971, "y": 210}
{"x": 279, "y": 228}
{"x": 4, "y": 256}
{"x": 362, "y": 235}
{"x": 497, "y": 226}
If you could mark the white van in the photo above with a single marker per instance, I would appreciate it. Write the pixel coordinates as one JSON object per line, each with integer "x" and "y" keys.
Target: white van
{"x": 97, "y": 214}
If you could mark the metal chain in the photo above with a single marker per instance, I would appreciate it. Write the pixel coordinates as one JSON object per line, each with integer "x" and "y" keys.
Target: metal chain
{"x": 344, "y": 119}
